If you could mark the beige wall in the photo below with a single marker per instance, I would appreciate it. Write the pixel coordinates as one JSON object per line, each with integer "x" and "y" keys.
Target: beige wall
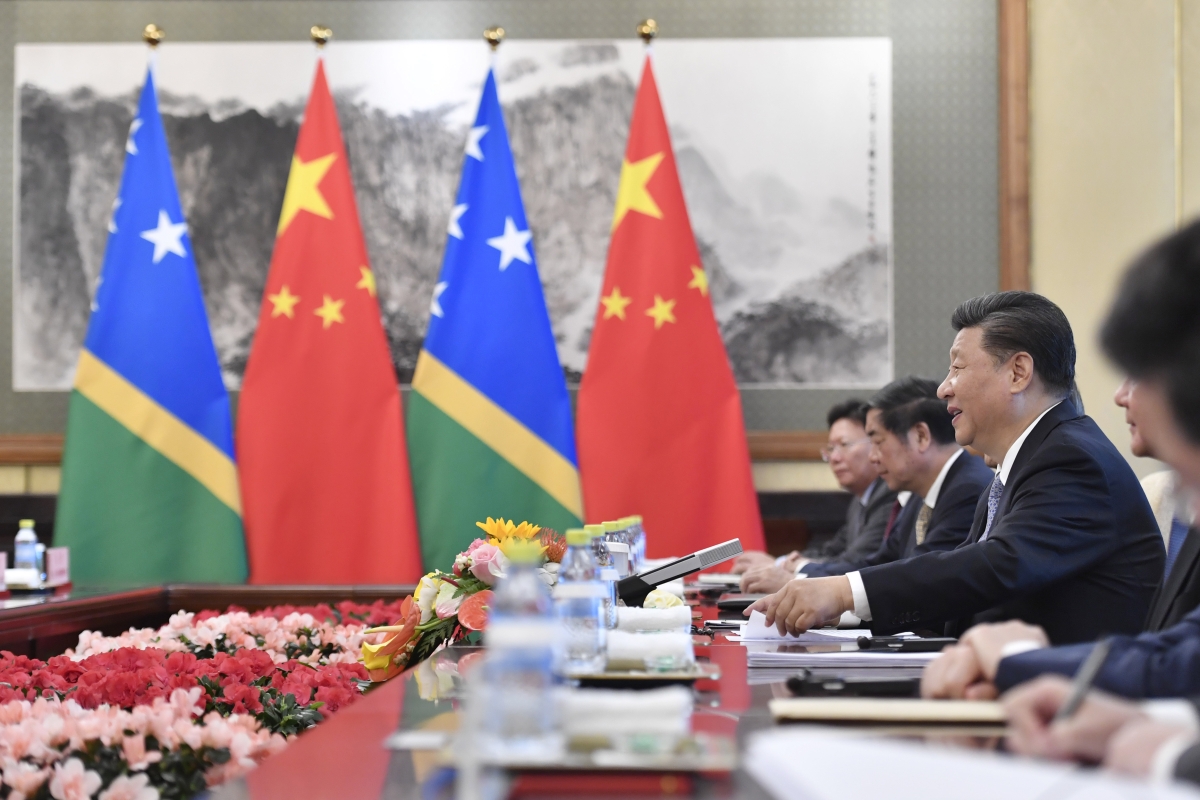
{"x": 1103, "y": 160}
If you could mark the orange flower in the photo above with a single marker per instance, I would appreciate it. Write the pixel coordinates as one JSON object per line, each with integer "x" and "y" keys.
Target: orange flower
{"x": 389, "y": 657}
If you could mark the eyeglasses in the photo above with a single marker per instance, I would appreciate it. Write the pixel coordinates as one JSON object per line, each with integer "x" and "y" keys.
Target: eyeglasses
{"x": 828, "y": 450}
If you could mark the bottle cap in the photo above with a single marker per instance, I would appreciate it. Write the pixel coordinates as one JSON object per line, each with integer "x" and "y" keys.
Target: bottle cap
{"x": 613, "y": 526}
{"x": 524, "y": 552}
{"x": 25, "y": 523}
{"x": 577, "y": 537}
{"x": 594, "y": 530}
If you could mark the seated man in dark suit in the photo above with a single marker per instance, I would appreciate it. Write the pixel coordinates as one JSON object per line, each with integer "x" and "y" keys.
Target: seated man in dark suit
{"x": 913, "y": 446}
{"x": 848, "y": 454}
{"x": 993, "y": 658}
{"x": 1064, "y": 538}
{"x": 1153, "y": 333}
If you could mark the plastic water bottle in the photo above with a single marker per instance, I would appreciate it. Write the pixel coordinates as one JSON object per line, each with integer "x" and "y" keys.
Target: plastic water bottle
{"x": 638, "y": 545}
{"x": 579, "y": 600}
{"x": 26, "y": 543}
{"x": 617, "y": 536}
{"x": 604, "y": 573}
{"x": 522, "y": 640}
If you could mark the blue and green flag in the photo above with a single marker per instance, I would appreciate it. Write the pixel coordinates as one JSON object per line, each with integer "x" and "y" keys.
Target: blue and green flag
{"x": 149, "y": 484}
{"x": 489, "y": 418}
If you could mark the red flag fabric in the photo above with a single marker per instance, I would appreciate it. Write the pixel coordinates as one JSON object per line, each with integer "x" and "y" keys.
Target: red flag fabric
{"x": 326, "y": 491}
{"x": 660, "y": 426}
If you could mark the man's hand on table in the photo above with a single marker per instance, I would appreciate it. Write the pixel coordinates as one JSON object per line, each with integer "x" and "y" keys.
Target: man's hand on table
{"x": 968, "y": 669}
{"x": 805, "y": 604}
{"x": 1133, "y": 748}
{"x": 766, "y": 580}
{"x": 755, "y": 559}
{"x": 1086, "y": 736}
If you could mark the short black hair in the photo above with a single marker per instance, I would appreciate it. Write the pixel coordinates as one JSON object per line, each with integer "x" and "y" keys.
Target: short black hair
{"x": 907, "y": 401}
{"x": 1153, "y": 328}
{"x": 852, "y": 409}
{"x": 1015, "y": 322}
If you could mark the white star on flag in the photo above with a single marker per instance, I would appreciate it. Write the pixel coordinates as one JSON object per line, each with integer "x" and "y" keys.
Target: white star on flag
{"x": 112, "y": 221}
{"x": 96, "y": 293}
{"x": 454, "y": 229}
{"x": 130, "y": 144}
{"x": 512, "y": 244}
{"x": 473, "y": 142}
{"x": 167, "y": 237}
{"x": 435, "y": 307}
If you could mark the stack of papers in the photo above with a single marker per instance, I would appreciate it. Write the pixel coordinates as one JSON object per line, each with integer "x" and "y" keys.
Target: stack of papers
{"x": 719, "y": 579}
{"x": 834, "y": 657}
{"x": 756, "y": 630}
{"x": 828, "y": 764}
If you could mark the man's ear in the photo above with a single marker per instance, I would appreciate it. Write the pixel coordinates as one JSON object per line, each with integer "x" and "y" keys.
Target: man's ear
{"x": 919, "y": 437}
{"x": 1020, "y": 367}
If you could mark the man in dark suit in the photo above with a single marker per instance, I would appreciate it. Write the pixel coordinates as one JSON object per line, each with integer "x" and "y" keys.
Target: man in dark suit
{"x": 848, "y": 454}
{"x": 993, "y": 658}
{"x": 914, "y": 448}
{"x": 1064, "y": 537}
{"x": 1153, "y": 333}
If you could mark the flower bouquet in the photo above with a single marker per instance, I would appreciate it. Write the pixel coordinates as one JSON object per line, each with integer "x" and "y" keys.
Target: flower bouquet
{"x": 450, "y": 607}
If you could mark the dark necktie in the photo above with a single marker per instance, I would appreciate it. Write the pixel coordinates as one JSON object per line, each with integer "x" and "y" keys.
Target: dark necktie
{"x": 896, "y": 508}
{"x": 1179, "y": 532}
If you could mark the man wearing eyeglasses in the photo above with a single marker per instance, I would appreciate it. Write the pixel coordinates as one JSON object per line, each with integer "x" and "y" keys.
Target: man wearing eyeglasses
{"x": 848, "y": 454}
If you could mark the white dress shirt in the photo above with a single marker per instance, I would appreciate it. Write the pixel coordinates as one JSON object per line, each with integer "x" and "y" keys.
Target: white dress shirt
{"x": 862, "y": 606}
{"x": 931, "y": 497}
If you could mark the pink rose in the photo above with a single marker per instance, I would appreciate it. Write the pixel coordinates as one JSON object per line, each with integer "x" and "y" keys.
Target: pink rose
{"x": 475, "y": 545}
{"x": 489, "y": 563}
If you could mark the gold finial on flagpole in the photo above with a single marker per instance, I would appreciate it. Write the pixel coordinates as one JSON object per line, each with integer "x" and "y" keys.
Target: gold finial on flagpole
{"x": 494, "y": 36}
{"x": 152, "y": 35}
{"x": 647, "y": 29}
{"x": 321, "y": 34}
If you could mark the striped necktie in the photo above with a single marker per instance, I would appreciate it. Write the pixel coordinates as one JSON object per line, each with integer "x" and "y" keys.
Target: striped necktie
{"x": 923, "y": 522}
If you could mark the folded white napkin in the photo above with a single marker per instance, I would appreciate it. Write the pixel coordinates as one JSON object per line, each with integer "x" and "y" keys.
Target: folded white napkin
{"x": 630, "y": 650}
{"x": 608, "y": 712}
{"x": 653, "y": 619}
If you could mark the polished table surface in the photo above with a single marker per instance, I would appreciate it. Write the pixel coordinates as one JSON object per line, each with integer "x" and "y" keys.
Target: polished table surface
{"x": 344, "y": 756}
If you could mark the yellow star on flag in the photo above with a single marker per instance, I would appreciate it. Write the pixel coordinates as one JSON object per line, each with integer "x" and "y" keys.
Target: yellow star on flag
{"x": 331, "y": 311}
{"x": 284, "y": 303}
{"x": 367, "y": 281}
{"x": 662, "y": 311}
{"x": 699, "y": 281}
{"x": 632, "y": 194}
{"x": 614, "y": 304}
{"x": 302, "y": 192}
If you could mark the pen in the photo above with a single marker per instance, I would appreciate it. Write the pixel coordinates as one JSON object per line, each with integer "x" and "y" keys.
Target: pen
{"x": 1083, "y": 679}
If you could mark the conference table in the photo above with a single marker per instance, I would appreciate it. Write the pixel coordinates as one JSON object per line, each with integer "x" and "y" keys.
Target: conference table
{"x": 345, "y": 756}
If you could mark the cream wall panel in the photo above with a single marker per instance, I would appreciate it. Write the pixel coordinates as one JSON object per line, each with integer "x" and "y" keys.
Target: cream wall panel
{"x": 44, "y": 480}
{"x": 793, "y": 476}
{"x": 1191, "y": 109}
{"x": 1103, "y": 164}
{"x": 12, "y": 480}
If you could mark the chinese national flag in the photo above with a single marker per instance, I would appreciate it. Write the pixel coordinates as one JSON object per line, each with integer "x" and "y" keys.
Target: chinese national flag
{"x": 660, "y": 426}
{"x": 324, "y": 467}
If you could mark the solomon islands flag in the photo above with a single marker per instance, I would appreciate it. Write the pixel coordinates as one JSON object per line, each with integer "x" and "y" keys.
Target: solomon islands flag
{"x": 149, "y": 485}
{"x": 489, "y": 418}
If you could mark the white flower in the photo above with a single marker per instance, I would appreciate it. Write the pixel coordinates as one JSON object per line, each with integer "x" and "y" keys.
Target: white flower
{"x": 72, "y": 782}
{"x": 426, "y": 594}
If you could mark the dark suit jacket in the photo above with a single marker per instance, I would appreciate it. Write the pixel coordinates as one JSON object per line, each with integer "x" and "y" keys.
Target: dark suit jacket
{"x": 1162, "y": 664}
{"x": 1187, "y": 768}
{"x": 1180, "y": 592}
{"x": 862, "y": 531}
{"x": 949, "y": 523}
{"x": 1074, "y": 547}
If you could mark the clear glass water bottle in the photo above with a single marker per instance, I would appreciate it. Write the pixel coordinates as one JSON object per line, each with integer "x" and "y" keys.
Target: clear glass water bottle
{"x": 604, "y": 572}
{"x": 579, "y": 602}
{"x": 638, "y": 543}
{"x": 518, "y": 671}
{"x": 25, "y": 546}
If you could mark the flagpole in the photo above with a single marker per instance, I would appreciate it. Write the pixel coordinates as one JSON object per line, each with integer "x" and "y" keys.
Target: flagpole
{"x": 493, "y": 36}
{"x": 647, "y": 29}
{"x": 152, "y": 35}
